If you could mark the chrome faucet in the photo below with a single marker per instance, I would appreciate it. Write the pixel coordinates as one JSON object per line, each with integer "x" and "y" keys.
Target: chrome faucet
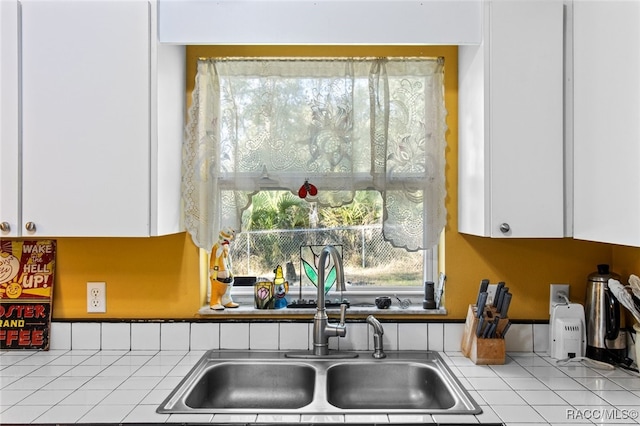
{"x": 322, "y": 329}
{"x": 378, "y": 351}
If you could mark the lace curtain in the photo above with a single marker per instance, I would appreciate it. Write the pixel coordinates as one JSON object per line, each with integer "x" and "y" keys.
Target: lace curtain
{"x": 343, "y": 124}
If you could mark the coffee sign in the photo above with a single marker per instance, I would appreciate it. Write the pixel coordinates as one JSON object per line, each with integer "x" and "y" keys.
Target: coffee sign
{"x": 26, "y": 293}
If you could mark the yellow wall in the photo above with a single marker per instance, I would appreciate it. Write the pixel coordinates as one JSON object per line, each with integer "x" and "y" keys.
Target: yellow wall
{"x": 626, "y": 260}
{"x": 158, "y": 277}
{"x": 147, "y": 278}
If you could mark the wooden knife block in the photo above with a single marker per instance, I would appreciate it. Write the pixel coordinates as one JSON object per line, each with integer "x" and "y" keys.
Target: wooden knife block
{"x": 480, "y": 350}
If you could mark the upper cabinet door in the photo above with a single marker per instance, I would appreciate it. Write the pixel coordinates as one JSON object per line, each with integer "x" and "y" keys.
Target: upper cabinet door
{"x": 606, "y": 55}
{"x": 9, "y": 119}
{"x": 511, "y": 159}
{"x": 85, "y": 117}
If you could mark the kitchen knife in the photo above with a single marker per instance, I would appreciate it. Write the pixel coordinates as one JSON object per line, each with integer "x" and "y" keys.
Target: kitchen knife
{"x": 504, "y": 308}
{"x": 505, "y": 329}
{"x": 495, "y": 296}
{"x": 503, "y": 291}
{"x": 499, "y": 295}
{"x": 483, "y": 288}
{"x": 484, "y": 285}
{"x": 482, "y": 301}
{"x": 496, "y": 323}
{"x": 479, "y": 327}
{"x": 489, "y": 331}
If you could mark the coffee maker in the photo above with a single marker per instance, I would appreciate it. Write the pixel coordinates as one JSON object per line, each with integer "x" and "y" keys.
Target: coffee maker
{"x": 605, "y": 339}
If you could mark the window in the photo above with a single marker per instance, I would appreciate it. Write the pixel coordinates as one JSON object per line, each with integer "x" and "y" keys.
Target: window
{"x": 279, "y": 228}
{"x": 357, "y": 129}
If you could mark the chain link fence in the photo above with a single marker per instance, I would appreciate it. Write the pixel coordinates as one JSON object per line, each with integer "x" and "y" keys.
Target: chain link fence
{"x": 368, "y": 259}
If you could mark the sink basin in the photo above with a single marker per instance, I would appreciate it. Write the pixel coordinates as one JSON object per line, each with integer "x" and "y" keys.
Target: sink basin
{"x": 256, "y": 382}
{"x": 395, "y": 385}
{"x": 253, "y": 385}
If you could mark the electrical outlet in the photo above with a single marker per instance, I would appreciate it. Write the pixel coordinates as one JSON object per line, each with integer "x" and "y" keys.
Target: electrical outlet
{"x": 554, "y": 295}
{"x": 96, "y": 297}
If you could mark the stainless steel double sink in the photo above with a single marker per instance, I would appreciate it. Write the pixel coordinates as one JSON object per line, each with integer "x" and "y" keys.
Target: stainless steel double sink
{"x": 407, "y": 382}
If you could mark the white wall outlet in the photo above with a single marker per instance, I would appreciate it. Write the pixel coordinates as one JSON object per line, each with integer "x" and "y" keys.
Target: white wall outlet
{"x": 96, "y": 297}
{"x": 554, "y": 295}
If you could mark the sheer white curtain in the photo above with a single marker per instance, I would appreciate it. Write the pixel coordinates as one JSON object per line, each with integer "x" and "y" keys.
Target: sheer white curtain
{"x": 343, "y": 124}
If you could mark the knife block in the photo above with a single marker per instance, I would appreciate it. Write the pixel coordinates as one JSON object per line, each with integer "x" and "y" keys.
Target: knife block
{"x": 480, "y": 350}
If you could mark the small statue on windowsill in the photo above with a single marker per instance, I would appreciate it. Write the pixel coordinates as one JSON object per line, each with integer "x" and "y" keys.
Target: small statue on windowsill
{"x": 280, "y": 289}
{"x": 220, "y": 272}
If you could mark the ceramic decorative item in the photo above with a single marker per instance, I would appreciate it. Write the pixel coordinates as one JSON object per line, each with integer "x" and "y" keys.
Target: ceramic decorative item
{"x": 263, "y": 295}
{"x": 307, "y": 189}
{"x": 280, "y": 289}
{"x": 220, "y": 272}
{"x": 271, "y": 294}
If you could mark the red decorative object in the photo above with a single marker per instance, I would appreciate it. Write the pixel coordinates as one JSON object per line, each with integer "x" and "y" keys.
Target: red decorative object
{"x": 307, "y": 189}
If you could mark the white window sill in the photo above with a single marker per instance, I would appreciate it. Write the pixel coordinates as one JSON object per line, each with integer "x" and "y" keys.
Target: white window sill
{"x": 247, "y": 308}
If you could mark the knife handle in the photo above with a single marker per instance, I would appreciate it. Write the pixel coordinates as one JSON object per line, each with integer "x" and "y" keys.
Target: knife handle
{"x": 479, "y": 327}
{"x": 504, "y": 308}
{"x": 495, "y": 296}
{"x": 503, "y": 291}
{"x": 505, "y": 329}
{"x": 482, "y": 301}
{"x": 484, "y": 285}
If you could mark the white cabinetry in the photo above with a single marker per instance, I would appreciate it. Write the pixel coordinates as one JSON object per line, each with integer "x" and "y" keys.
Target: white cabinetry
{"x": 511, "y": 160}
{"x": 101, "y": 112}
{"x": 9, "y": 118}
{"x": 85, "y": 117}
{"x": 606, "y": 62}
{"x": 320, "y": 22}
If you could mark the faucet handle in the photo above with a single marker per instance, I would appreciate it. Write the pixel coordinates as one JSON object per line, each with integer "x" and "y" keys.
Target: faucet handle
{"x": 343, "y": 312}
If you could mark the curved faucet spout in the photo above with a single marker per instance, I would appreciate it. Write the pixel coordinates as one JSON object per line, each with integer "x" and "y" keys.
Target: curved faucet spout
{"x": 322, "y": 330}
{"x": 378, "y": 350}
{"x": 322, "y": 261}
{"x": 377, "y": 327}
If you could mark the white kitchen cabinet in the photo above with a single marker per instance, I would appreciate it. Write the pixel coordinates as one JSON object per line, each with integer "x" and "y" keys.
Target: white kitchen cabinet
{"x": 323, "y": 22}
{"x": 101, "y": 115}
{"x": 9, "y": 118}
{"x": 86, "y": 117}
{"x": 511, "y": 159}
{"x": 606, "y": 115}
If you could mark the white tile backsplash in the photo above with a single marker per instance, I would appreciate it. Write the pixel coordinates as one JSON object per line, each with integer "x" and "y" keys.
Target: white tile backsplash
{"x": 541, "y": 338}
{"x": 520, "y": 338}
{"x": 357, "y": 337}
{"x": 263, "y": 336}
{"x": 145, "y": 336}
{"x": 294, "y": 335}
{"x": 413, "y": 336}
{"x": 174, "y": 336}
{"x": 85, "y": 335}
{"x": 60, "y": 337}
{"x": 453, "y": 336}
{"x": 389, "y": 338}
{"x": 234, "y": 335}
{"x": 183, "y": 336}
{"x": 205, "y": 336}
{"x": 436, "y": 336}
{"x": 116, "y": 336}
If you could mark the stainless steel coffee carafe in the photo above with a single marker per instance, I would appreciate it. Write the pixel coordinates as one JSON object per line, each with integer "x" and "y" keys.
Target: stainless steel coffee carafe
{"x": 605, "y": 340}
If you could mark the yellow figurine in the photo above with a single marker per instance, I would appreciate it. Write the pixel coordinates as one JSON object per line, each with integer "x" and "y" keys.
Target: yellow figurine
{"x": 220, "y": 274}
{"x": 281, "y": 287}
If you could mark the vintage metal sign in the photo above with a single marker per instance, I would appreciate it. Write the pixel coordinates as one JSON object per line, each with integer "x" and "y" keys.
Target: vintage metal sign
{"x": 26, "y": 293}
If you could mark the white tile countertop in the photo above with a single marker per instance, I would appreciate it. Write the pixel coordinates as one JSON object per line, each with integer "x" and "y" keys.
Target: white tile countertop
{"x": 92, "y": 386}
